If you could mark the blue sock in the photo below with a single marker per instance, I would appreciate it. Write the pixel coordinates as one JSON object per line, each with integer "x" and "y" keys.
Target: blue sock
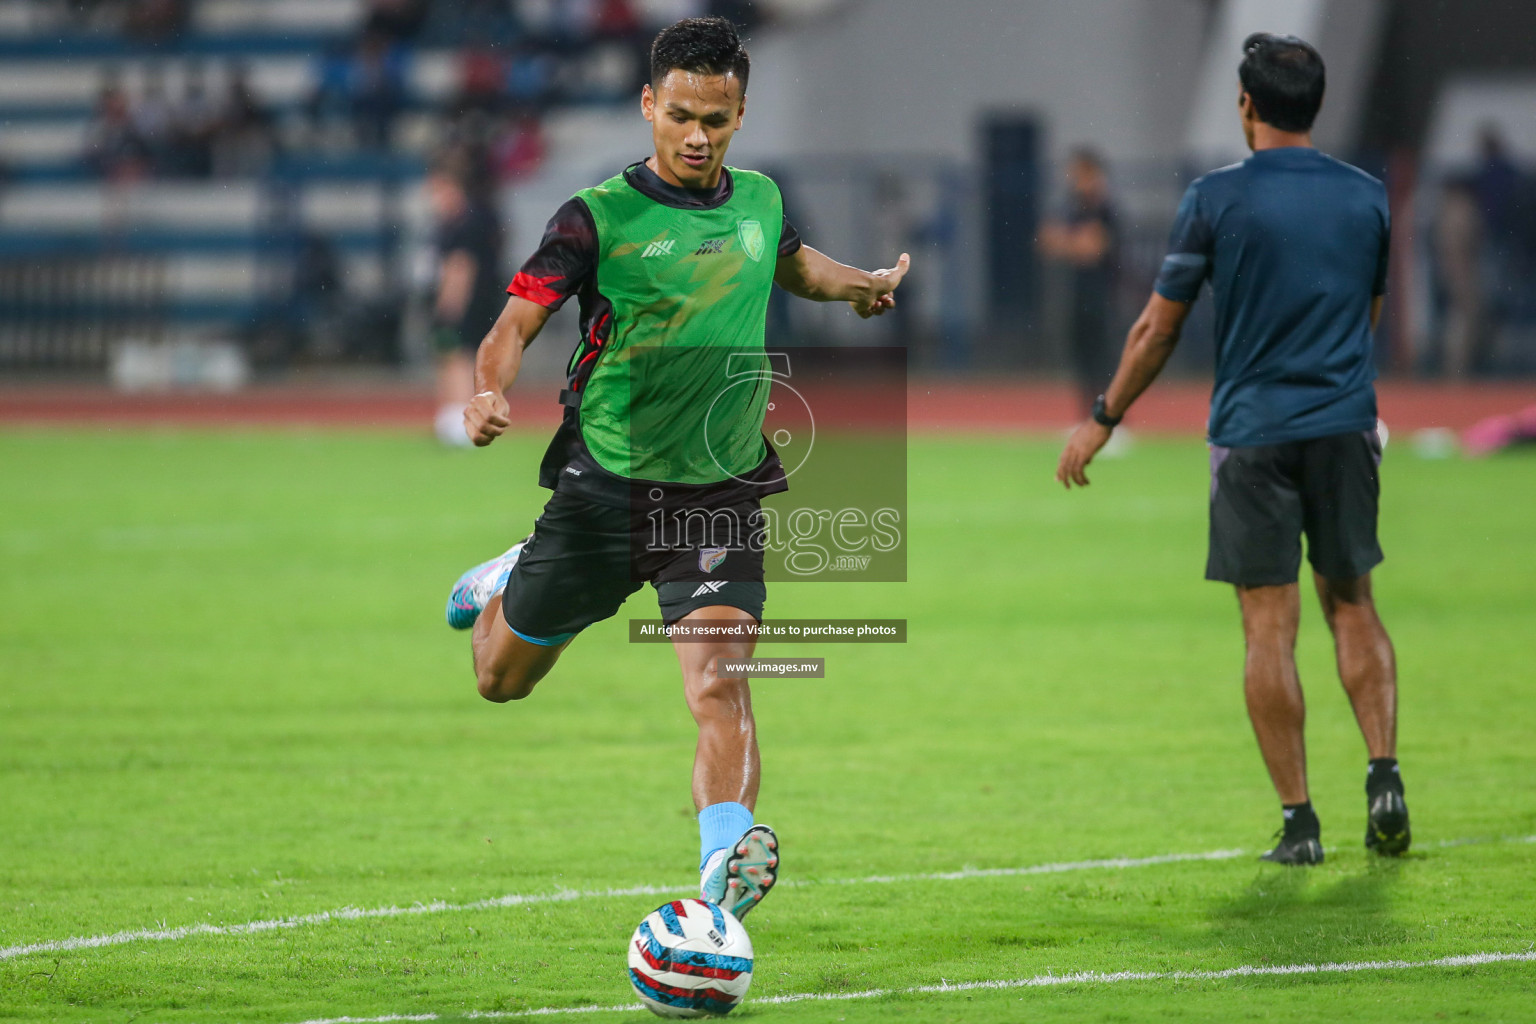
{"x": 720, "y": 825}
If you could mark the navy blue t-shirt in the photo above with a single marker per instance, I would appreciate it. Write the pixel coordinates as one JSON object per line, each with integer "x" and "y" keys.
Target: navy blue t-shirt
{"x": 1295, "y": 246}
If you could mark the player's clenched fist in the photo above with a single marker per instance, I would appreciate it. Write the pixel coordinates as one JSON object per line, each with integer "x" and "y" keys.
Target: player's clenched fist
{"x": 485, "y": 417}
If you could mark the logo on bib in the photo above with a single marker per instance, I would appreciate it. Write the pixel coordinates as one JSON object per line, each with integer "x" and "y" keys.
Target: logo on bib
{"x": 752, "y": 239}
{"x": 710, "y": 558}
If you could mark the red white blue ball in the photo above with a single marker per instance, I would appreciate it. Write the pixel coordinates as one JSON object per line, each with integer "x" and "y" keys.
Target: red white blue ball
{"x": 689, "y": 958}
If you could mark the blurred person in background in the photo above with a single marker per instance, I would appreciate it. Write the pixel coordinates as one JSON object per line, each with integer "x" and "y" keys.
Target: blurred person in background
{"x": 1458, "y": 240}
{"x": 196, "y": 119}
{"x": 317, "y": 299}
{"x": 114, "y": 148}
{"x": 1507, "y": 196}
{"x": 1497, "y": 182}
{"x": 519, "y": 149}
{"x": 375, "y": 85}
{"x": 533, "y": 77}
{"x": 154, "y": 119}
{"x": 482, "y": 81}
{"x": 155, "y": 21}
{"x": 363, "y": 86}
{"x": 243, "y": 139}
{"x": 615, "y": 19}
{"x": 1084, "y": 238}
{"x": 399, "y": 21}
{"x": 470, "y": 283}
{"x": 1295, "y": 246}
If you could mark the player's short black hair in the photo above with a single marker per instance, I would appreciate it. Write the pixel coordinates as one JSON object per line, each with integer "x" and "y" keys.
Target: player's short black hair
{"x": 704, "y": 45}
{"x": 1284, "y": 77}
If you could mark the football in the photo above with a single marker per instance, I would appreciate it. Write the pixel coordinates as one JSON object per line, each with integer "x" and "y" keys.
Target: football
{"x": 689, "y": 958}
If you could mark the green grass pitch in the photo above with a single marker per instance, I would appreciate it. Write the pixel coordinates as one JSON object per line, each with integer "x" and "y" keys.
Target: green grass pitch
{"x": 227, "y": 695}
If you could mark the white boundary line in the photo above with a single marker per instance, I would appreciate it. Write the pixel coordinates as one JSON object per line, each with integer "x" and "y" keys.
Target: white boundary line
{"x": 561, "y": 896}
{"x": 1038, "y": 981}
{"x": 564, "y": 895}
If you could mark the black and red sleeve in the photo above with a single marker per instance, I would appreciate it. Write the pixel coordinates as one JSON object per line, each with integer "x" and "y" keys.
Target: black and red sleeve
{"x": 565, "y": 259}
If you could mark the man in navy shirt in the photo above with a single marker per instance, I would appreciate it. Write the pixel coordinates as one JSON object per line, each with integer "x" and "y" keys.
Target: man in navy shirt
{"x": 1294, "y": 244}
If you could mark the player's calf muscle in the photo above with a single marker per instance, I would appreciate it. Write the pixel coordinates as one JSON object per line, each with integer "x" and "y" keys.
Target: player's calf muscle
{"x": 713, "y": 697}
{"x": 501, "y": 675}
{"x": 510, "y": 677}
{"x": 498, "y": 688}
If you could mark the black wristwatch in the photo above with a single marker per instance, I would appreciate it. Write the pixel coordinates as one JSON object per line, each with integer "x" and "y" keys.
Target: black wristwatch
{"x": 1103, "y": 418}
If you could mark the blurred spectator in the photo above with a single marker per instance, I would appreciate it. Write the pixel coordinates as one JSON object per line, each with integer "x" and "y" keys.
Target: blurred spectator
{"x": 154, "y": 120}
{"x": 542, "y": 19}
{"x": 1458, "y": 241}
{"x": 533, "y": 78}
{"x": 92, "y": 14}
{"x": 1506, "y": 195}
{"x": 1496, "y": 181}
{"x": 150, "y": 21}
{"x": 489, "y": 22}
{"x": 1084, "y": 237}
{"x": 243, "y": 140}
{"x": 330, "y": 104}
{"x": 470, "y": 284}
{"x": 399, "y": 21}
{"x": 520, "y": 150}
{"x": 365, "y": 86}
{"x": 615, "y": 19}
{"x": 154, "y": 21}
{"x": 482, "y": 77}
{"x": 317, "y": 297}
{"x": 114, "y": 148}
{"x": 377, "y": 89}
{"x": 195, "y": 120}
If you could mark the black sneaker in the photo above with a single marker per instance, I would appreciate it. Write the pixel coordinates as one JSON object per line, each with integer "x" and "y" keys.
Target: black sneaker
{"x": 1295, "y": 850}
{"x": 1386, "y": 825}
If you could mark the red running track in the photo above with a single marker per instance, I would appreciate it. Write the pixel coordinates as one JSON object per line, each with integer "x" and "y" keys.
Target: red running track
{"x": 986, "y": 406}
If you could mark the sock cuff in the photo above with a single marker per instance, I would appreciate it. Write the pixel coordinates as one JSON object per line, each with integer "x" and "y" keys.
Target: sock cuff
{"x": 720, "y": 825}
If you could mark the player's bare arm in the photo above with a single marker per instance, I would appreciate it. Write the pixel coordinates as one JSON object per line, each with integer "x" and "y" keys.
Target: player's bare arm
{"x": 817, "y": 276}
{"x": 496, "y": 366}
{"x": 1147, "y": 347}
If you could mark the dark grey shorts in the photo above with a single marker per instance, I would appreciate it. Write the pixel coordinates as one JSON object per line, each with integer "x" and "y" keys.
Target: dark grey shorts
{"x": 1264, "y": 498}
{"x": 585, "y": 559}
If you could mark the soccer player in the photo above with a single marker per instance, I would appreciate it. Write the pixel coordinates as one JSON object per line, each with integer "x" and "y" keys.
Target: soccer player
{"x": 672, "y": 262}
{"x": 1294, "y": 244}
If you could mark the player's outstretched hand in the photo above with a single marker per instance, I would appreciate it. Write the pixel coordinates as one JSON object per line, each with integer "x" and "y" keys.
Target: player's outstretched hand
{"x": 485, "y": 417}
{"x": 1082, "y": 446}
{"x": 885, "y": 282}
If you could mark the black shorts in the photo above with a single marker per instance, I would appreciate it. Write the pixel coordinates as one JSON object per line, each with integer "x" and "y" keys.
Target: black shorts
{"x": 1265, "y": 497}
{"x": 584, "y": 559}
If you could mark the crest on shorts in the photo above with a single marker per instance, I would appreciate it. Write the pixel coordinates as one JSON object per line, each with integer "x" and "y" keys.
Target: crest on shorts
{"x": 752, "y": 239}
{"x": 710, "y": 558}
